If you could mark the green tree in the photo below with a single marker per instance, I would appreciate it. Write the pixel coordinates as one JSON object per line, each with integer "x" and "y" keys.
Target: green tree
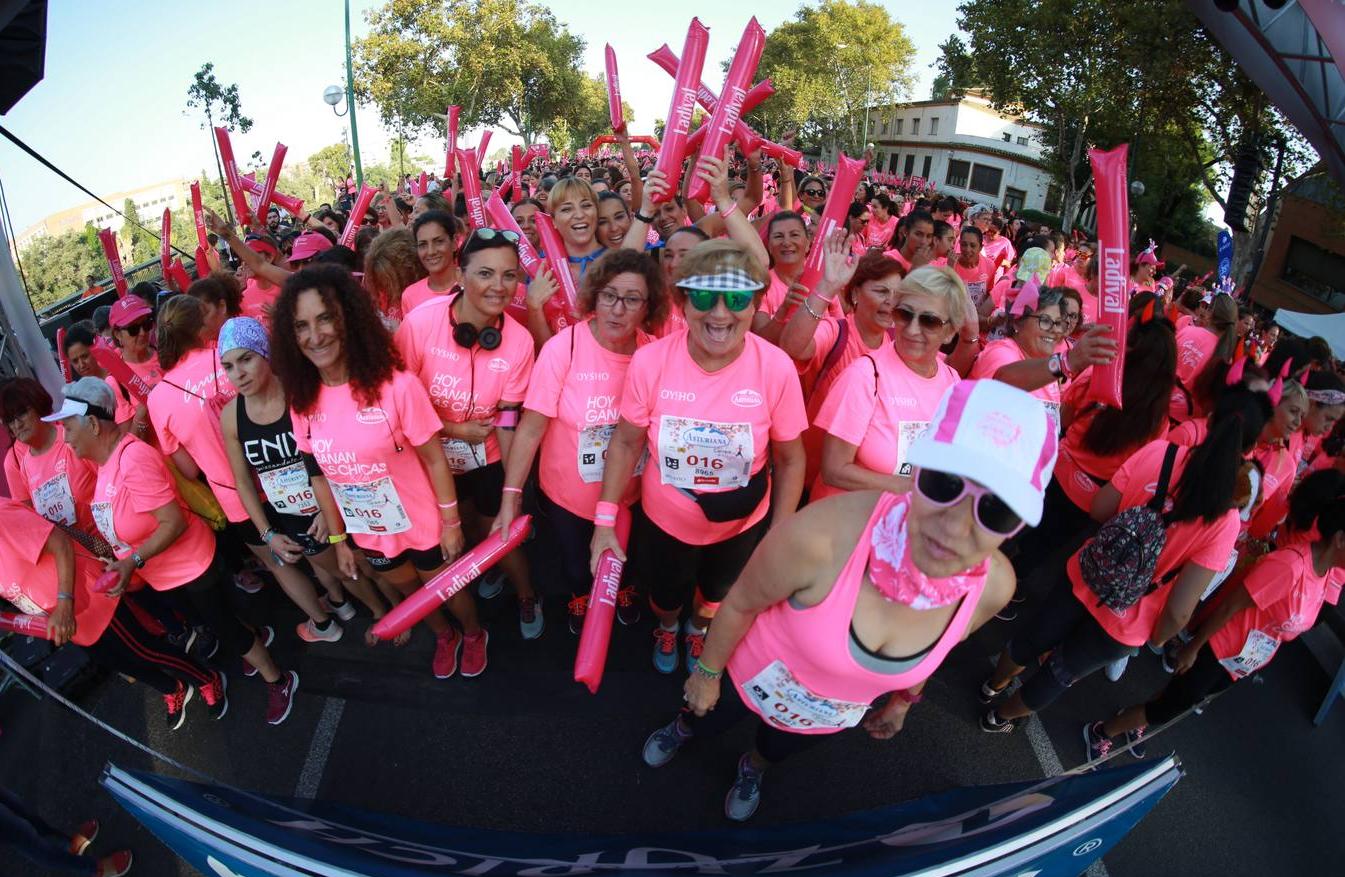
{"x": 221, "y": 106}
{"x": 140, "y": 245}
{"x": 827, "y": 65}
{"x": 507, "y": 63}
{"x": 56, "y": 266}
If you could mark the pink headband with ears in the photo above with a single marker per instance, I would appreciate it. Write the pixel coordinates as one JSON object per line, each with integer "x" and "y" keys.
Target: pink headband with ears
{"x": 1277, "y": 389}
{"x": 1028, "y": 298}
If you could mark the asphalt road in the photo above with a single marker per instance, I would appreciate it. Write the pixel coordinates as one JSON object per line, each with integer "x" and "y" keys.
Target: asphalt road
{"x": 524, "y": 747}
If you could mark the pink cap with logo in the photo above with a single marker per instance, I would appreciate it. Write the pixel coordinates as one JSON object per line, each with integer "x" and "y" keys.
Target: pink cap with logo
{"x": 308, "y": 245}
{"x": 126, "y": 310}
{"x": 996, "y": 435}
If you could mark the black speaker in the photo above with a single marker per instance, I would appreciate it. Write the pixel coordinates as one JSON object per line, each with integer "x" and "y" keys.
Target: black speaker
{"x": 1246, "y": 169}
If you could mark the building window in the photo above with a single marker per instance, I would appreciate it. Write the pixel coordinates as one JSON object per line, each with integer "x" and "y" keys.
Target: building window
{"x": 1014, "y": 199}
{"x": 958, "y": 171}
{"x": 934, "y": 127}
{"x": 884, "y": 124}
{"x": 986, "y": 179}
{"x": 892, "y": 163}
{"x": 1053, "y": 199}
{"x": 896, "y": 126}
{"x": 1008, "y": 138}
{"x": 1022, "y": 141}
{"x": 1315, "y": 271}
{"x": 915, "y": 127}
{"x": 924, "y": 169}
{"x": 910, "y": 166}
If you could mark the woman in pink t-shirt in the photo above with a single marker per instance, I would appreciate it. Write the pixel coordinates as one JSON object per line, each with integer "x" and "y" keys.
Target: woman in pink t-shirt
{"x": 1203, "y": 353}
{"x": 157, "y": 539}
{"x": 713, "y": 405}
{"x": 41, "y": 469}
{"x": 572, "y": 409}
{"x": 976, "y": 270}
{"x": 787, "y": 243}
{"x": 883, "y": 224}
{"x": 1277, "y": 454}
{"x": 1082, "y": 633}
{"x": 132, "y": 324}
{"x": 390, "y": 266}
{"x": 475, "y": 361}
{"x": 884, "y": 400}
{"x": 371, "y": 429}
{"x": 436, "y": 234}
{"x": 1280, "y": 598}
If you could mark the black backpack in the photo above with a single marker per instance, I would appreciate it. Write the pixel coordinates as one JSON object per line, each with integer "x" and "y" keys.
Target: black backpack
{"x": 1118, "y": 564}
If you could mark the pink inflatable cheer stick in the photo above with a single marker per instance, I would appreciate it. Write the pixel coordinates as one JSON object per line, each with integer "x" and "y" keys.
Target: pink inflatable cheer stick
{"x": 481, "y": 147}
{"x": 27, "y": 625}
{"x": 1113, "y": 234}
{"x": 724, "y": 119}
{"x": 553, "y": 251}
{"x": 471, "y": 186}
{"x": 113, "y": 364}
{"x": 198, "y": 216}
{"x": 166, "y": 240}
{"x": 460, "y": 574}
{"x": 362, "y": 202}
{"x": 681, "y": 108}
{"x": 291, "y": 204}
{"x": 842, "y": 193}
{"x": 272, "y": 177}
{"x": 109, "y": 242}
{"x": 498, "y": 215}
{"x": 60, "y": 351}
{"x": 597, "y": 634}
{"x": 614, "y": 93}
{"x": 106, "y": 582}
{"x": 451, "y": 141}
{"x": 235, "y": 183}
{"x": 178, "y": 272}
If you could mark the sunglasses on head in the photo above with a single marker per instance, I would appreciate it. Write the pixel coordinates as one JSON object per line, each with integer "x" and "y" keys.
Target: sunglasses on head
{"x": 928, "y": 322}
{"x": 489, "y": 234}
{"x": 734, "y": 299}
{"x": 991, "y": 513}
{"x": 138, "y": 327}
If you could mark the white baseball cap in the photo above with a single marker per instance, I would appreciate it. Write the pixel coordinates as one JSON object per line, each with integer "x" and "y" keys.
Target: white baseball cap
{"x": 90, "y": 396}
{"x": 996, "y": 435}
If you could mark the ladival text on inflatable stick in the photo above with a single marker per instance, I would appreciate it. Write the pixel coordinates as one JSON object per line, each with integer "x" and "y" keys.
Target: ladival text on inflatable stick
{"x": 471, "y": 186}
{"x": 24, "y": 625}
{"x": 724, "y": 119}
{"x": 849, "y": 172}
{"x": 1113, "y": 255}
{"x": 113, "y": 364}
{"x": 591, "y": 659}
{"x": 362, "y": 202}
{"x": 268, "y": 192}
{"x": 681, "y": 108}
{"x": 461, "y": 573}
{"x": 294, "y": 206}
{"x": 109, "y": 242}
{"x": 614, "y": 110}
{"x": 233, "y": 181}
{"x": 558, "y": 260}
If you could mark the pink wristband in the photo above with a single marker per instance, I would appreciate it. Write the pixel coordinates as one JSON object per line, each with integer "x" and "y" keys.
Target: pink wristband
{"x": 513, "y": 490}
{"x": 732, "y": 210}
{"x": 606, "y": 510}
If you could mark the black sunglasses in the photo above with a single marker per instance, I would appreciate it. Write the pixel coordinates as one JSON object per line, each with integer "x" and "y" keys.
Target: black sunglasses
{"x": 139, "y": 326}
{"x": 814, "y": 193}
{"x": 928, "y": 322}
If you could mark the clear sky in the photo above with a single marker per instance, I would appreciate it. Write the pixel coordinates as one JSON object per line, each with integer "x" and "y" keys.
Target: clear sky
{"x": 110, "y": 111}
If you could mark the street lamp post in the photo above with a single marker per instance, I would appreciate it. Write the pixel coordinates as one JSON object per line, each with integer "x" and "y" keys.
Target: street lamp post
{"x": 350, "y": 106}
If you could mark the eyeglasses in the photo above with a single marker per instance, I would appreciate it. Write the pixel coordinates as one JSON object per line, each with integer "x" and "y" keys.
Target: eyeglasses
{"x": 608, "y": 299}
{"x": 991, "y": 513}
{"x": 1070, "y": 320}
{"x": 489, "y": 234}
{"x": 1049, "y": 324}
{"x": 928, "y": 322}
{"x": 734, "y": 299}
{"x": 814, "y": 193}
{"x": 138, "y": 327}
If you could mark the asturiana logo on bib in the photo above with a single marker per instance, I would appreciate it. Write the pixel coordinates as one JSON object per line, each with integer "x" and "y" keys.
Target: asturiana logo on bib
{"x": 371, "y": 416}
{"x": 498, "y": 364}
{"x": 746, "y": 399}
{"x": 705, "y": 437}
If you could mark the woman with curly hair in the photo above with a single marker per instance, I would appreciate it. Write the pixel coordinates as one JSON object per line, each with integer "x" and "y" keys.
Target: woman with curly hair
{"x": 371, "y": 429}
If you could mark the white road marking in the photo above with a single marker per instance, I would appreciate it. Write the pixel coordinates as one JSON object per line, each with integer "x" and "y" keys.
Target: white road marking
{"x": 310, "y": 778}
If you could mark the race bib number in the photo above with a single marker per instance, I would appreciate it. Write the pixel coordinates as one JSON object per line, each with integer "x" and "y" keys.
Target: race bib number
{"x": 1256, "y": 653}
{"x": 372, "y": 508}
{"x": 102, "y": 518}
{"x": 787, "y": 703}
{"x": 1220, "y": 576}
{"x": 907, "y": 432}
{"x": 592, "y": 455}
{"x": 976, "y": 289}
{"x": 463, "y": 456}
{"x": 289, "y": 490}
{"x": 1053, "y": 409}
{"x": 54, "y": 501}
{"x": 702, "y": 454}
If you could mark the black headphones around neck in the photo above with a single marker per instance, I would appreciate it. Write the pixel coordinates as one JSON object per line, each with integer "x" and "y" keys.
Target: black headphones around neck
{"x": 468, "y": 336}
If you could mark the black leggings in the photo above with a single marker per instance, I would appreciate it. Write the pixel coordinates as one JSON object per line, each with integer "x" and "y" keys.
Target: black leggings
{"x": 208, "y": 598}
{"x": 571, "y": 535}
{"x": 1078, "y": 645}
{"x": 675, "y": 569}
{"x": 1206, "y": 678}
{"x": 128, "y": 648}
{"x": 1047, "y": 546}
{"x": 772, "y": 744}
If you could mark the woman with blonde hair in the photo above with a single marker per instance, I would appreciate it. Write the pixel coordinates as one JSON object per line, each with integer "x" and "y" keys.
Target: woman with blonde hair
{"x": 390, "y": 266}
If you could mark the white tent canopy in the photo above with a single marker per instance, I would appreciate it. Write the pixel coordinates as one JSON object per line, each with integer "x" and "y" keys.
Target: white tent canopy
{"x": 1328, "y": 326}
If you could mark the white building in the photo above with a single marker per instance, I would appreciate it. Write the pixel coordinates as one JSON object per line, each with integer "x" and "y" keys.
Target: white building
{"x": 965, "y": 148}
{"x": 149, "y": 203}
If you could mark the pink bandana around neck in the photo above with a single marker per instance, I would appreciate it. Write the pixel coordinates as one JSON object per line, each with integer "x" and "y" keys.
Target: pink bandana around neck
{"x": 894, "y": 573}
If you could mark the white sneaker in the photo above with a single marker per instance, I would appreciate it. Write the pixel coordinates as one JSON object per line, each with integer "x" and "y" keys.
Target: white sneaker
{"x": 491, "y": 585}
{"x": 345, "y": 611}
{"x": 1116, "y": 668}
{"x": 309, "y": 632}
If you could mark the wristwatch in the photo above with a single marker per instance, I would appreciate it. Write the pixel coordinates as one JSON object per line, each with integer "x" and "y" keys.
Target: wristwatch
{"x": 647, "y": 220}
{"x": 139, "y": 561}
{"x": 1054, "y": 366}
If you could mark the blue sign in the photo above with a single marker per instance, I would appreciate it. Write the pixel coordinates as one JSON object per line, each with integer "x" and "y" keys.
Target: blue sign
{"x": 1225, "y": 253}
{"x": 1053, "y": 828}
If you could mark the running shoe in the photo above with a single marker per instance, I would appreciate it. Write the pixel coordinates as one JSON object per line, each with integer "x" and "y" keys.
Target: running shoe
{"x": 116, "y": 865}
{"x": 267, "y": 634}
{"x": 248, "y": 581}
{"x": 280, "y": 697}
{"x": 177, "y": 705}
{"x": 694, "y": 638}
{"x": 988, "y": 694}
{"x": 1135, "y": 738}
{"x": 345, "y": 610}
{"x": 490, "y": 585}
{"x": 311, "y": 633}
{"x": 1116, "y": 669}
{"x": 991, "y": 723}
{"x": 627, "y": 608}
{"x": 445, "y": 662}
{"x": 663, "y": 744}
{"x": 83, "y": 837}
{"x": 1095, "y": 743}
{"x": 474, "y": 653}
{"x": 1168, "y": 662}
{"x": 182, "y": 641}
{"x": 665, "y": 649}
{"x": 531, "y": 621}
{"x": 204, "y": 644}
{"x": 745, "y": 795}
{"x": 215, "y": 693}
{"x": 578, "y": 609}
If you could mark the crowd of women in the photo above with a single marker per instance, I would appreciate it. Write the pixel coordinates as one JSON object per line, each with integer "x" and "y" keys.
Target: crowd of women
{"x": 828, "y": 486}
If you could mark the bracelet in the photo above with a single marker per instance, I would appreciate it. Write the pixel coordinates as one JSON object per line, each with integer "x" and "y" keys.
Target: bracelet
{"x": 647, "y": 220}
{"x": 969, "y": 340}
{"x": 63, "y": 596}
{"x": 606, "y": 509}
{"x": 337, "y": 538}
{"x": 448, "y": 505}
{"x": 811, "y": 313}
{"x": 456, "y": 522}
{"x": 508, "y": 489}
{"x": 605, "y": 520}
{"x": 725, "y": 214}
{"x": 705, "y": 671}
{"x": 267, "y": 535}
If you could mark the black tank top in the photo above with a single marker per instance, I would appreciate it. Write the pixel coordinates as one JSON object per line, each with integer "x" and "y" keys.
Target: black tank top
{"x": 281, "y": 469}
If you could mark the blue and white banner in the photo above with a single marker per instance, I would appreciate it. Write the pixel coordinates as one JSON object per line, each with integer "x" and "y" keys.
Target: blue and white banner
{"x": 1225, "y": 247}
{"x": 1054, "y": 828}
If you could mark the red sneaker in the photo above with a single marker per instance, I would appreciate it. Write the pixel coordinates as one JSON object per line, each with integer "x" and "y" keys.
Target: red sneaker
{"x": 445, "y": 662}
{"x": 280, "y": 697}
{"x": 215, "y": 694}
{"x": 116, "y": 865}
{"x": 474, "y": 653}
{"x": 83, "y": 837}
